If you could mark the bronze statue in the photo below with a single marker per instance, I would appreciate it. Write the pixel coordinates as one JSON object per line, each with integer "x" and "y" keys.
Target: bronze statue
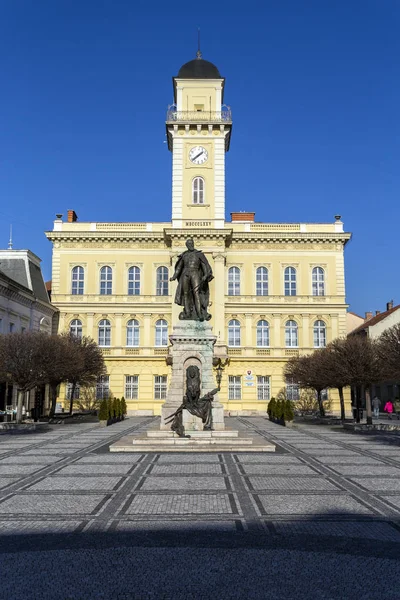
{"x": 193, "y": 273}
{"x": 199, "y": 407}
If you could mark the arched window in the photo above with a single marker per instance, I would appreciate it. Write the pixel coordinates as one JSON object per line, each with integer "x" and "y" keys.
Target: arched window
{"x": 132, "y": 333}
{"x": 262, "y": 333}
{"x": 75, "y": 328}
{"x": 105, "y": 281}
{"x": 290, "y": 281}
{"x": 198, "y": 190}
{"x": 319, "y": 334}
{"x": 162, "y": 281}
{"x": 318, "y": 281}
{"x": 161, "y": 333}
{"x": 262, "y": 281}
{"x": 234, "y": 281}
{"x": 133, "y": 281}
{"x": 77, "y": 281}
{"x": 234, "y": 333}
{"x": 104, "y": 332}
{"x": 291, "y": 334}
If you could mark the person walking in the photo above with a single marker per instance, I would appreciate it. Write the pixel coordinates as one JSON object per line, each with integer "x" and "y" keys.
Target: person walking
{"x": 376, "y": 404}
{"x": 397, "y": 407}
{"x": 389, "y": 408}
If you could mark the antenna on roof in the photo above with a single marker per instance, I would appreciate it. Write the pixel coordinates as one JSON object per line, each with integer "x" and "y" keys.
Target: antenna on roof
{"x": 198, "y": 53}
{"x": 10, "y": 242}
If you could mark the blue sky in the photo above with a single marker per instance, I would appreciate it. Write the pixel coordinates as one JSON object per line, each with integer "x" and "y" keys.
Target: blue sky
{"x": 314, "y": 88}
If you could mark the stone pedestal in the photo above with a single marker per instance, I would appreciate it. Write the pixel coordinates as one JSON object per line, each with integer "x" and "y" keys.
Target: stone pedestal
{"x": 192, "y": 344}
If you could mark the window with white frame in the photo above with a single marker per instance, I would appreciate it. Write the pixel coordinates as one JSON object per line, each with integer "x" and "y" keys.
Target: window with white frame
{"x": 263, "y": 387}
{"x": 11, "y": 327}
{"x": 292, "y": 390}
{"x": 319, "y": 334}
{"x": 133, "y": 281}
{"x": 198, "y": 190}
{"x": 77, "y": 281}
{"x": 234, "y": 333}
{"x": 75, "y": 328}
{"x": 160, "y": 387}
{"x": 234, "y": 281}
{"x": 106, "y": 281}
{"x": 263, "y": 333}
{"x": 234, "y": 387}
{"x": 104, "y": 331}
{"x": 161, "y": 338}
{"x": 132, "y": 333}
{"x": 162, "y": 278}
{"x": 318, "y": 281}
{"x": 291, "y": 334}
{"x": 262, "y": 281}
{"x": 103, "y": 387}
{"x": 290, "y": 281}
{"x": 68, "y": 391}
{"x": 131, "y": 387}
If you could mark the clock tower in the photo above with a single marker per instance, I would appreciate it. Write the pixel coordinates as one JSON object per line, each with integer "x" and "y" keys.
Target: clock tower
{"x": 198, "y": 129}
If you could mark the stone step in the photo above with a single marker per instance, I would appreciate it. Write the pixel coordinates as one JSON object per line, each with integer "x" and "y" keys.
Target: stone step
{"x": 177, "y": 441}
{"x": 158, "y": 448}
{"x": 226, "y": 433}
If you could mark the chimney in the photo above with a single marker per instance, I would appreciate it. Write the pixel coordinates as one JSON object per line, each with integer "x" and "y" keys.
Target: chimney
{"x": 377, "y": 312}
{"x": 389, "y": 305}
{"x": 242, "y": 217}
{"x": 72, "y": 216}
{"x": 368, "y": 316}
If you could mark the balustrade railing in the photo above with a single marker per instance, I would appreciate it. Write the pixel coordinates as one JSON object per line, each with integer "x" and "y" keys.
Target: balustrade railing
{"x": 206, "y": 116}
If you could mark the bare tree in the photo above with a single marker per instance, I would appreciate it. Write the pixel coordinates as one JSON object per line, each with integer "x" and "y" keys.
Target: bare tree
{"x": 388, "y": 348}
{"x": 20, "y": 362}
{"x": 307, "y": 371}
{"x": 336, "y": 370}
{"x": 89, "y": 365}
{"x": 58, "y": 362}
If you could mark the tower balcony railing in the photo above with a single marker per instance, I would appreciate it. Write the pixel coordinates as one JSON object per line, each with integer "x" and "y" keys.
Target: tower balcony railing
{"x": 202, "y": 116}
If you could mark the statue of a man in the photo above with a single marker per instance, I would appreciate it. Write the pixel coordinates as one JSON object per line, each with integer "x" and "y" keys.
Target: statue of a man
{"x": 193, "y": 273}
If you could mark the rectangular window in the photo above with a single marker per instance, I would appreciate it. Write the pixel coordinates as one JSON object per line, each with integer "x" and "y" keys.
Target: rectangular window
{"x": 324, "y": 395}
{"x": 292, "y": 390}
{"x": 263, "y": 387}
{"x": 68, "y": 391}
{"x": 103, "y": 387}
{"x": 160, "y": 387}
{"x": 12, "y": 327}
{"x": 234, "y": 387}
{"x": 131, "y": 387}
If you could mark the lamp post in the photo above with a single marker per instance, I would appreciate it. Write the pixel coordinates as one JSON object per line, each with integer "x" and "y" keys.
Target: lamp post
{"x": 220, "y": 365}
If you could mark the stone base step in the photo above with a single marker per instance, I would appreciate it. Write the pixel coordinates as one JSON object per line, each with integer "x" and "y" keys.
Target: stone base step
{"x": 159, "y": 448}
{"x": 226, "y": 433}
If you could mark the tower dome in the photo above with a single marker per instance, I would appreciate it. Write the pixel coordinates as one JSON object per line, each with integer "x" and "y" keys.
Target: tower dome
{"x": 199, "y": 68}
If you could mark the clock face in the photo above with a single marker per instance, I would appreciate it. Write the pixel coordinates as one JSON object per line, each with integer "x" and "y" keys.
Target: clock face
{"x": 198, "y": 155}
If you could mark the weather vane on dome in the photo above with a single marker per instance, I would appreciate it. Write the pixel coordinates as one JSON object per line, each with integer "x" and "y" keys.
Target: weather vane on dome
{"x": 198, "y": 53}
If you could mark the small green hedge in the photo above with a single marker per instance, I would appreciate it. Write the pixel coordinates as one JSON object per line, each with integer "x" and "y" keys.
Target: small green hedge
{"x": 280, "y": 410}
{"x": 112, "y": 410}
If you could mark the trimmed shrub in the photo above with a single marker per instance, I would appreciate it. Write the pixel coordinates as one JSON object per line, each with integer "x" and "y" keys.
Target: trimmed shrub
{"x": 110, "y": 405}
{"x": 124, "y": 408}
{"x": 271, "y": 408}
{"x": 116, "y": 408}
{"x": 288, "y": 414}
{"x": 103, "y": 412}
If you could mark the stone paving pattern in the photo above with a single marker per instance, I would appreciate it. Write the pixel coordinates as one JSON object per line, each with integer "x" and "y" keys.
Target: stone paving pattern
{"x": 320, "y": 518}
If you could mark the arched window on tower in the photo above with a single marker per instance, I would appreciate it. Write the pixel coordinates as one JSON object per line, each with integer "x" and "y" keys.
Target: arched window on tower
{"x": 198, "y": 190}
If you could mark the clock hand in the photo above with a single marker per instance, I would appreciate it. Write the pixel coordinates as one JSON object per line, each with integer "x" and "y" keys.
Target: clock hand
{"x": 197, "y": 156}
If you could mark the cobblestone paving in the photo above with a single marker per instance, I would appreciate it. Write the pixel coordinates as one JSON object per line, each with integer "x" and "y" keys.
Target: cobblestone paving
{"x": 216, "y": 525}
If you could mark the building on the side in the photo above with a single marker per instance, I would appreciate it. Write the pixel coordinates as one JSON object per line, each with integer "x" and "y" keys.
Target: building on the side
{"x": 278, "y": 288}
{"x": 372, "y": 327}
{"x": 353, "y": 320}
{"x": 24, "y": 306}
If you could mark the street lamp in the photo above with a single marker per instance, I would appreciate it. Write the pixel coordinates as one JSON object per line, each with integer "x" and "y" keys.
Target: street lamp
{"x": 220, "y": 365}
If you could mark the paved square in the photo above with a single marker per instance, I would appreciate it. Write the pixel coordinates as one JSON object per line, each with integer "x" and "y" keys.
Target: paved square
{"x": 70, "y": 484}
{"x": 312, "y": 504}
{"x": 295, "y": 484}
{"x": 35, "y": 504}
{"x": 184, "y": 483}
{"x": 180, "y": 504}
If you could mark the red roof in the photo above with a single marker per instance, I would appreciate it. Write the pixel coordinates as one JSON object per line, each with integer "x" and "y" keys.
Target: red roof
{"x": 374, "y": 320}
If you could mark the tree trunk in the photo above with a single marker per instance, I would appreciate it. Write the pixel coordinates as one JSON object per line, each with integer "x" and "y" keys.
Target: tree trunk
{"x": 71, "y": 402}
{"x": 342, "y": 409}
{"x": 320, "y": 404}
{"x": 368, "y": 404}
{"x": 20, "y": 399}
{"x": 53, "y": 396}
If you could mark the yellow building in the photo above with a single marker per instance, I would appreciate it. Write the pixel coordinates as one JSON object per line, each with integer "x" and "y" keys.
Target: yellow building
{"x": 279, "y": 289}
